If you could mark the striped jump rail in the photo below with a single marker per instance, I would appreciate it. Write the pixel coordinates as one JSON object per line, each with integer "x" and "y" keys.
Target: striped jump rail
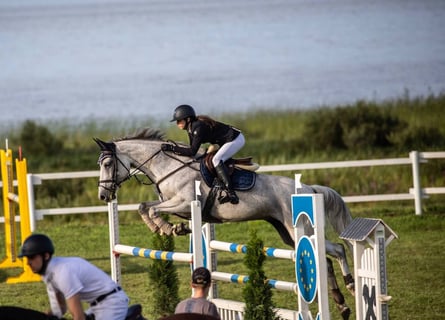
{"x": 242, "y": 248}
{"x": 237, "y": 278}
{"x": 153, "y": 254}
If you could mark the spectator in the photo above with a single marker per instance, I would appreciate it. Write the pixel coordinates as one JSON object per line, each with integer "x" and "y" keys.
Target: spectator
{"x": 198, "y": 303}
{"x": 69, "y": 282}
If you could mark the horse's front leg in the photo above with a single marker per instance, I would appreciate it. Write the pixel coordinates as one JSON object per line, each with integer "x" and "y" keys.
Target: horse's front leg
{"x": 150, "y": 212}
{"x": 144, "y": 212}
{"x": 337, "y": 250}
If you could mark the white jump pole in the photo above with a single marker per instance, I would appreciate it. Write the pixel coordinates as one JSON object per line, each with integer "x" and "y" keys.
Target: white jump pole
{"x": 196, "y": 237}
{"x": 113, "y": 225}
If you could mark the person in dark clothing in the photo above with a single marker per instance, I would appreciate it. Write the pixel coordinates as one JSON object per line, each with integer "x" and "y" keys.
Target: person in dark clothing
{"x": 198, "y": 303}
{"x": 203, "y": 129}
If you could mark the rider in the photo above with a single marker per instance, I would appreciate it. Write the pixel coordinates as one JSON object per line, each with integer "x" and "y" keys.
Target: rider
{"x": 202, "y": 129}
{"x": 70, "y": 281}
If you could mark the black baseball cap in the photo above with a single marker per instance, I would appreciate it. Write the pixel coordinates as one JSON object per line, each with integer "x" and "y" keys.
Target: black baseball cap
{"x": 201, "y": 276}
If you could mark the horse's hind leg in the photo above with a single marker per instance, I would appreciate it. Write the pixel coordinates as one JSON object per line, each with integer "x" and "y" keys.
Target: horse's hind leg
{"x": 336, "y": 293}
{"x": 337, "y": 250}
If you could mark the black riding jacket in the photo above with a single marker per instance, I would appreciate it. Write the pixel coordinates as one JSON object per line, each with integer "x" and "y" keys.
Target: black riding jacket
{"x": 200, "y": 132}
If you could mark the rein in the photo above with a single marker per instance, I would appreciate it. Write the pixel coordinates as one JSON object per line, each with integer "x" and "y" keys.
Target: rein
{"x": 184, "y": 164}
{"x": 117, "y": 184}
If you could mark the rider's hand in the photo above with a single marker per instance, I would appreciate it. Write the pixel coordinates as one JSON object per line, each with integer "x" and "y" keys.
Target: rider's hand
{"x": 167, "y": 147}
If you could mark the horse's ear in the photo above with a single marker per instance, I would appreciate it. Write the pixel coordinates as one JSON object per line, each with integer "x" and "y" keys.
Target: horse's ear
{"x": 104, "y": 146}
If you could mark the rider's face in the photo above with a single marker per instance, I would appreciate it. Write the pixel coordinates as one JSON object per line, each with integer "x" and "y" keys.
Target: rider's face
{"x": 181, "y": 124}
{"x": 35, "y": 262}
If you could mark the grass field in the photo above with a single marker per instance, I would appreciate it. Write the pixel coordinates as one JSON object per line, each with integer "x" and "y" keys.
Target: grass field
{"x": 416, "y": 279}
{"x": 414, "y": 261}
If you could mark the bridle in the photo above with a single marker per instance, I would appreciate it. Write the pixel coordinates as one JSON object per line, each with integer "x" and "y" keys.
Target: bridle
{"x": 115, "y": 184}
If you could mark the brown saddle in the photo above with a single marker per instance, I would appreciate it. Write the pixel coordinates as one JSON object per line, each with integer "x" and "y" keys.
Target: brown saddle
{"x": 232, "y": 163}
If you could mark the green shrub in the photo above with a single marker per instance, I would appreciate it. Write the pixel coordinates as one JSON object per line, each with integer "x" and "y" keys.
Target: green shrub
{"x": 364, "y": 126}
{"x": 323, "y": 130}
{"x": 418, "y": 138}
{"x": 163, "y": 275}
{"x": 257, "y": 292}
{"x": 38, "y": 140}
{"x": 367, "y": 125}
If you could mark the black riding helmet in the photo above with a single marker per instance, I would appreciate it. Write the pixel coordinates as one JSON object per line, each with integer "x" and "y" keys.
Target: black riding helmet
{"x": 36, "y": 244}
{"x": 182, "y": 112}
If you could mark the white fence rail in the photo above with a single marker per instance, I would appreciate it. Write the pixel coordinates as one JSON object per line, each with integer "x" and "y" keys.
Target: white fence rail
{"x": 416, "y": 193}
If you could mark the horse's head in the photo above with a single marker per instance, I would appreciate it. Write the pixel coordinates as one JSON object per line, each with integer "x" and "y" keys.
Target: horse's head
{"x": 113, "y": 170}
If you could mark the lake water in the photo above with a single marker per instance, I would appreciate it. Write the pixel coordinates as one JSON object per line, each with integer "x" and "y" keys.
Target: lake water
{"x": 79, "y": 59}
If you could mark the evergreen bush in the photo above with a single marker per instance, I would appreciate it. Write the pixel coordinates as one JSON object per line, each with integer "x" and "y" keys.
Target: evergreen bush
{"x": 257, "y": 292}
{"x": 163, "y": 275}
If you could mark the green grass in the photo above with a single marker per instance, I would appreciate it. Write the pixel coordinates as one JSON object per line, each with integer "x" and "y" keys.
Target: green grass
{"x": 414, "y": 261}
{"x": 415, "y": 277}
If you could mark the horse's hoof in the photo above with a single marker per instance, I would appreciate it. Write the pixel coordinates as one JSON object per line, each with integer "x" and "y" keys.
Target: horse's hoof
{"x": 351, "y": 288}
{"x": 350, "y": 284}
{"x": 181, "y": 229}
{"x": 344, "y": 311}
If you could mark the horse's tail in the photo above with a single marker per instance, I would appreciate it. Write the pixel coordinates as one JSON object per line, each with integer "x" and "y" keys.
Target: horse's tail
{"x": 336, "y": 210}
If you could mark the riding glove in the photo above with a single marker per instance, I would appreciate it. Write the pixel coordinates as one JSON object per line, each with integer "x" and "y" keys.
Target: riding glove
{"x": 167, "y": 147}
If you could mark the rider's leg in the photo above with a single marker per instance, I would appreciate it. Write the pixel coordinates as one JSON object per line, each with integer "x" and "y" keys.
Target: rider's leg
{"x": 225, "y": 152}
{"x": 228, "y": 150}
{"x": 221, "y": 171}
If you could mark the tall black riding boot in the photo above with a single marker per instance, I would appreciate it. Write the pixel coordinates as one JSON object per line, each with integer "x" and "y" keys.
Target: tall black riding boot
{"x": 223, "y": 176}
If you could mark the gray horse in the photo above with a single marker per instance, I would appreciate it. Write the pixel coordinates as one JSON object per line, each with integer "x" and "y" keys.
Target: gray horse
{"x": 173, "y": 177}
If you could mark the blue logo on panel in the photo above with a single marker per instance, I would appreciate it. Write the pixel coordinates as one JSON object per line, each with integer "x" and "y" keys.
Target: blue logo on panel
{"x": 306, "y": 269}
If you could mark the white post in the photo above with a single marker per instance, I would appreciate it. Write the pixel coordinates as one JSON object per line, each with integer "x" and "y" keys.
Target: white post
{"x": 414, "y": 156}
{"x": 113, "y": 225}
{"x": 196, "y": 226}
{"x": 297, "y": 182}
{"x": 198, "y": 256}
{"x": 31, "y": 202}
{"x": 209, "y": 235}
{"x": 380, "y": 266}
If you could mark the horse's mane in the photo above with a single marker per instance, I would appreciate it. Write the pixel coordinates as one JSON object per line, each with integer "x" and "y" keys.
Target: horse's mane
{"x": 144, "y": 134}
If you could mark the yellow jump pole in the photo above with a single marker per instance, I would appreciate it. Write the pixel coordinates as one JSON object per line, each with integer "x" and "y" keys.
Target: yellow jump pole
{"x": 11, "y": 259}
{"x": 25, "y": 226}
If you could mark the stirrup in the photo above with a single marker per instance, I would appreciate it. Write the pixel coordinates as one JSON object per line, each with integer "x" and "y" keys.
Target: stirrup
{"x": 233, "y": 197}
{"x": 223, "y": 198}
{"x": 229, "y": 196}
